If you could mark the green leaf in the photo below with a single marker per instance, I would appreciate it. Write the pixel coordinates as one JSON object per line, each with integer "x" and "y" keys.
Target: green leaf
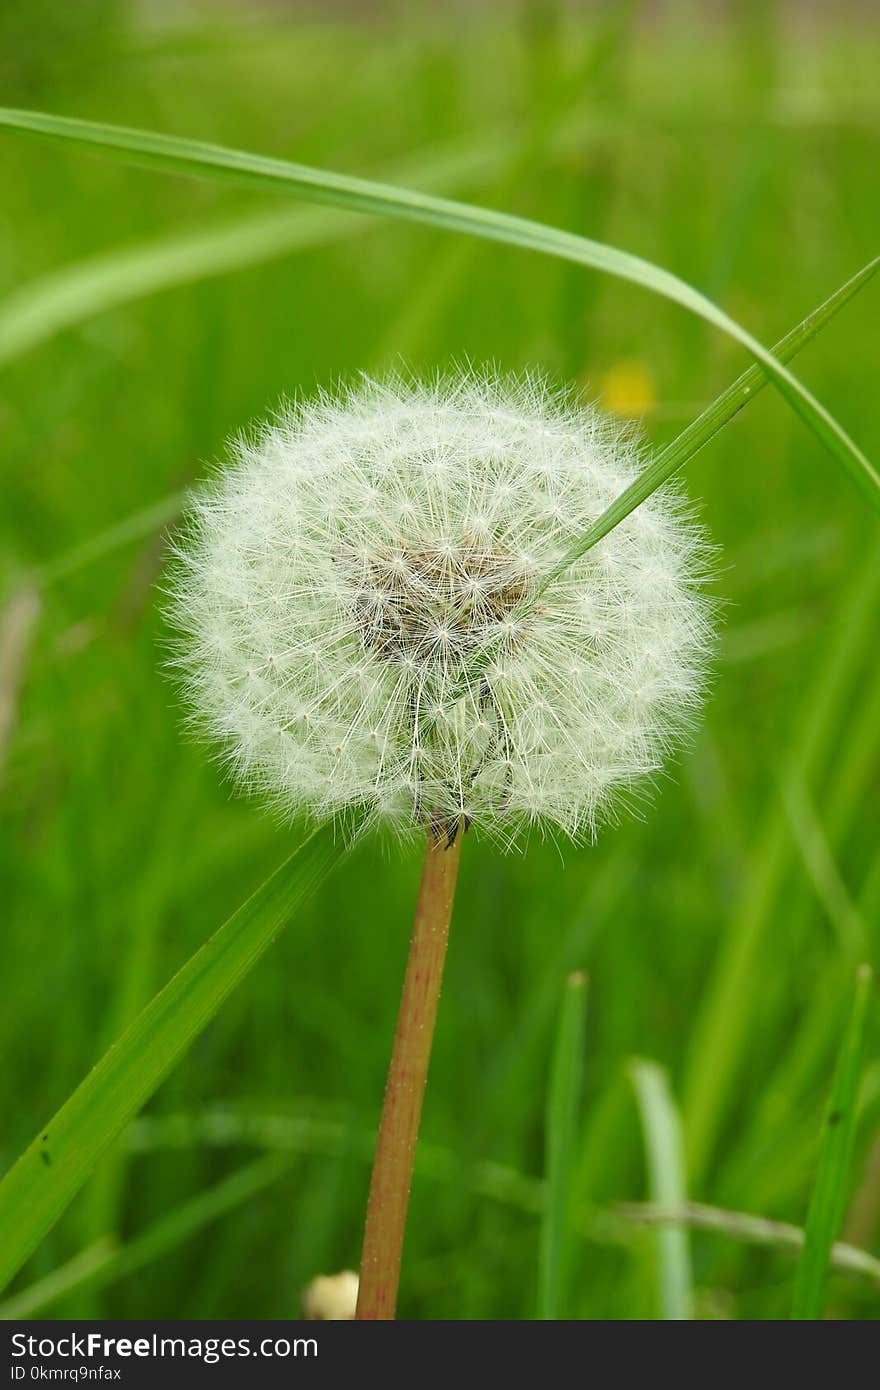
{"x": 828, "y": 1202}
{"x": 561, "y": 1127}
{"x": 665, "y": 1154}
{"x": 39, "y": 1186}
{"x": 180, "y": 156}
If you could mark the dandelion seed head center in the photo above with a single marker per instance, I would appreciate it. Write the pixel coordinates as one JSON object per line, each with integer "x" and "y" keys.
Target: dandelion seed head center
{"x": 436, "y": 604}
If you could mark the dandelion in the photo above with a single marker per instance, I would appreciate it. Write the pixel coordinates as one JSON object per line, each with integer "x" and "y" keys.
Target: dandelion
{"x": 365, "y": 626}
{"x": 384, "y": 612}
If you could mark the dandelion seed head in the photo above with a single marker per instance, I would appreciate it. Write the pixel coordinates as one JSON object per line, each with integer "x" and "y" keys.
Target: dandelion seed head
{"x": 357, "y": 597}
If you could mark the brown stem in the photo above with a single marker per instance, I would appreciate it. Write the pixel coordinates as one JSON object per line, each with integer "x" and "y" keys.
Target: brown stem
{"x": 405, "y": 1088}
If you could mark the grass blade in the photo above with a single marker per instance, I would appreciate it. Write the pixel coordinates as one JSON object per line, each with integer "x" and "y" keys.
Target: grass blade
{"x": 720, "y": 1031}
{"x": 75, "y": 293}
{"x": 750, "y": 1229}
{"x": 828, "y": 1202}
{"x": 713, "y": 419}
{"x": 133, "y": 527}
{"x": 561, "y": 1124}
{"x": 687, "y": 444}
{"x": 39, "y": 1186}
{"x": 180, "y": 156}
{"x": 665, "y": 1155}
{"x": 104, "y": 1262}
{"x": 821, "y": 868}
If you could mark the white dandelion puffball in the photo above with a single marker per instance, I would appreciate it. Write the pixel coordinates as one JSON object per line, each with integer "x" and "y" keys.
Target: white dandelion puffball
{"x": 362, "y": 626}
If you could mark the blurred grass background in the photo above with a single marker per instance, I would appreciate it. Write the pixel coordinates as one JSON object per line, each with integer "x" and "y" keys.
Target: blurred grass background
{"x": 737, "y": 146}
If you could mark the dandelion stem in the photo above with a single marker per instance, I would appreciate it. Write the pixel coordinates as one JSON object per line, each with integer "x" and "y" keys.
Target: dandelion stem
{"x": 405, "y": 1088}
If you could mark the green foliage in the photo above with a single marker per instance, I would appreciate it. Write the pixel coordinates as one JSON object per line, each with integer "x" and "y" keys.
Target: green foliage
{"x": 828, "y": 1203}
{"x": 38, "y": 1187}
{"x": 561, "y": 1125}
{"x": 664, "y": 1150}
{"x": 716, "y": 925}
{"x": 196, "y": 158}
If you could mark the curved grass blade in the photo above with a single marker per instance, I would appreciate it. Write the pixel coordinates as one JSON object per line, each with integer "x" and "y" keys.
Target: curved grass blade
{"x": 180, "y": 156}
{"x": 36, "y": 1190}
{"x": 828, "y": 1202}
{"x": 561, "y": 1124}
{"x": 664, "y": 1150}
{"x": 81, "y": 291}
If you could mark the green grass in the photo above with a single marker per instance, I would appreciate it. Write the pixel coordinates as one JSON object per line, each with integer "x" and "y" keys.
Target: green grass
{"x": 38, "y": 1188}
{"x": 562, "y": 1122}
{"x": 828, "y": 1202}
{"x": 244, "y": 169}
{"x": 720, "y": 928}
{"x": 664, "y": 1154}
